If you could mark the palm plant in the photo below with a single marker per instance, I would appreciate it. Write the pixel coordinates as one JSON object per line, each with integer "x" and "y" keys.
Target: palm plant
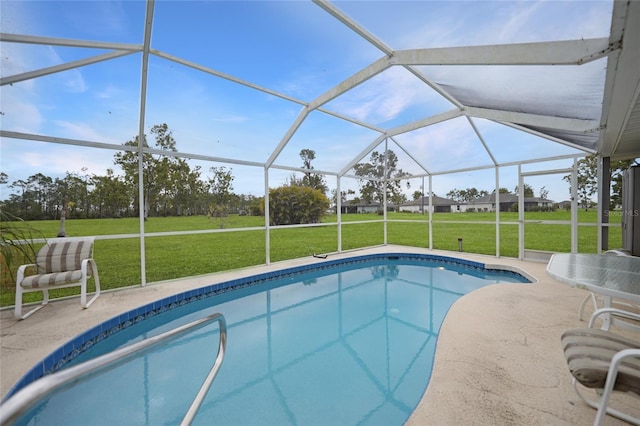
{"x": 16, "y": 247}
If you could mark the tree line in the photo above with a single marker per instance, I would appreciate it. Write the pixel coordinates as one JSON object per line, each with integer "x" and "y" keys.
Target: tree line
{"x": 174, "y": 188}
{"x": 171, "y": 188}
{"x": 588, "y": 180}
{"x": 471, "y": 194}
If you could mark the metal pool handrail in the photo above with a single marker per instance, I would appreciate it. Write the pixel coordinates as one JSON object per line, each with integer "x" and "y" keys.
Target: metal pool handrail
{"x": 222, "y": 344}
{"x": 27, "y": 397}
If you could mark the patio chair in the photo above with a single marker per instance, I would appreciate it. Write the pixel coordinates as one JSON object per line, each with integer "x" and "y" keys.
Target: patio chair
{"x": 604, "y": 361}
{"x": 60, "y": 263}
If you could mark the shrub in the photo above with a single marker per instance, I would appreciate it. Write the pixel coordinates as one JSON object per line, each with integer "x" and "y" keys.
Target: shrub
{"x": 290, "y": 205}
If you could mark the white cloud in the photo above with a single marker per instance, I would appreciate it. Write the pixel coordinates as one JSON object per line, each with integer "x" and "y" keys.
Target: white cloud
{"x": 386, "y": 96}
{"x": 34, "y": 159}
{"x": 82, "y": 131}
{"x": 99, "y": 18}
{"x": 75, "y": 82}
{"x": 520, "y": 15}
{"x": 19, "y": 114}
{"x": 441, "y": 143}
{"x": 450, "y": 31}
{"x": 110, "y": 91}
{"x": 21, "y": 159}
{"x": 476, "y": 23}
{"x": 72, "y": 80}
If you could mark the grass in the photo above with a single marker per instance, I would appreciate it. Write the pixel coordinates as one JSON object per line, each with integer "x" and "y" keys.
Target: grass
{"x": 171, "y": 257}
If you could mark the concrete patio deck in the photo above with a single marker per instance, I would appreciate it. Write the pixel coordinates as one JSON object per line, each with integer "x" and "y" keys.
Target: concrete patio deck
{"x": 498, "y": 360}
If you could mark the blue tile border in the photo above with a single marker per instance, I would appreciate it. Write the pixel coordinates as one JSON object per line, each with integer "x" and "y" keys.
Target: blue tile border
{"x": 71, "y": 349}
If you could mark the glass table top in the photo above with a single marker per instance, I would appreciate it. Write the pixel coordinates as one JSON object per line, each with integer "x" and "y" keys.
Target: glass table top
{"x": 610, "y": 275}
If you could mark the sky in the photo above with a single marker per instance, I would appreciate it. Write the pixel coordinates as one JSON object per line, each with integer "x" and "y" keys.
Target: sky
{"x": 298, "y": 50}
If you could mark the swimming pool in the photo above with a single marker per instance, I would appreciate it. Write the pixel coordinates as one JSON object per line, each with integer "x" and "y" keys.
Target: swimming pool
{"x": 340, "y": 342}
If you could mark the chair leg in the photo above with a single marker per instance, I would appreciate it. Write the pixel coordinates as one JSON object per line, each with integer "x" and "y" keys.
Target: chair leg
{"x": 602, "y": 409}
{"x": 18, "y": 307}
{"x": 83, "y": 287}
{"x": 17, "y": 313}
{"x": 591, "y": 296}
{"x": 83, "y": 292}
{"x": 96, "y": 279}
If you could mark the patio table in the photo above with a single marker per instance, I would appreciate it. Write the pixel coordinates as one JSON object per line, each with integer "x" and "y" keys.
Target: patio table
{"x": 611, "y": 276}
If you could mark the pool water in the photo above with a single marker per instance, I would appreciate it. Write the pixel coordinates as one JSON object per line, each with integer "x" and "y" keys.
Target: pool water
{"x": 346, "y": 345}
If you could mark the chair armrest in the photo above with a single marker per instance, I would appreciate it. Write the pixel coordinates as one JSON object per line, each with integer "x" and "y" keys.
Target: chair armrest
{"x": 86, "y": 263}
{"x": 618, "y": 358}
{"x": 615, "y": 312}
{"x": 21, "y": 271}
{"x": 26, "y": 265}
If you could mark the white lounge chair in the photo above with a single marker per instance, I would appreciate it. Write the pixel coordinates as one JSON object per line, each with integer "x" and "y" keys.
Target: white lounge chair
{"x": 605, "y": 361}
{"x": 60, "y": 263}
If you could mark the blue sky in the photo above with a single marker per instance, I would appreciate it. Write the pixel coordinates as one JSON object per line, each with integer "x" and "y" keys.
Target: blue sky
{"x": 294, "y": 48}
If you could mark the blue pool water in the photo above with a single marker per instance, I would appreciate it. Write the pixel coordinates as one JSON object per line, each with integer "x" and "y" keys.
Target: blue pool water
{"x": 350, "y": 343}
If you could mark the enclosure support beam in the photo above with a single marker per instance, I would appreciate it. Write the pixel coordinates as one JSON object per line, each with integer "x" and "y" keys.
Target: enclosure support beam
{"x": 564, "y": 52}
{"x": 565, "y": 171}
{"x": 358, "y": 78}
{"x": 353, "y": 26}
{"x": 360, "y": 156}
{"x": 62, "y": 67}
{"x": 497, "y": 211}
{"x": 604, "y": 200}
{"x": 267, "y": 230}
{"x": 384, "y": 189}
{"x": 434, "y": 119}
{"x": 143, "y": 102}
{"x": 574, "y": 207}
{"x": 339, "y": 212}
{"x": 418, "y": 162}
{"x": 520, "y": 213}
{"x": 535, "y": 120}
{"x": 430, "y": 212}
{"x": 622, "y": 83}
{"x": 302, "y": 115}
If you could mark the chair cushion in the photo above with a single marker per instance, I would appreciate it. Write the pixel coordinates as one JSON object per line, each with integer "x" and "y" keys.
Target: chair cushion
{"x": 44, "y": 280}
{"x": 589, "y": 352}
{"x": 63, "y": 254}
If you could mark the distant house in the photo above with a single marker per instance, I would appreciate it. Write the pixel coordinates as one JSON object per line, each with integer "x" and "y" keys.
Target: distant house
{"x": 565, "y": 204}
{"x": 541, "y": 202}
{"x": 353, "y": 206}
{"x": 440, "y": 205}
{"x": 487, "y": 203}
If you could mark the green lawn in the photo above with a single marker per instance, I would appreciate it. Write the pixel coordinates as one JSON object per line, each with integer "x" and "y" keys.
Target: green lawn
{"x": 170, "y": 257}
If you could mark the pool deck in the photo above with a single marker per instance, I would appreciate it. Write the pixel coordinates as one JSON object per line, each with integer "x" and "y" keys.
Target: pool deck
{"x": 498, "y": 360}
